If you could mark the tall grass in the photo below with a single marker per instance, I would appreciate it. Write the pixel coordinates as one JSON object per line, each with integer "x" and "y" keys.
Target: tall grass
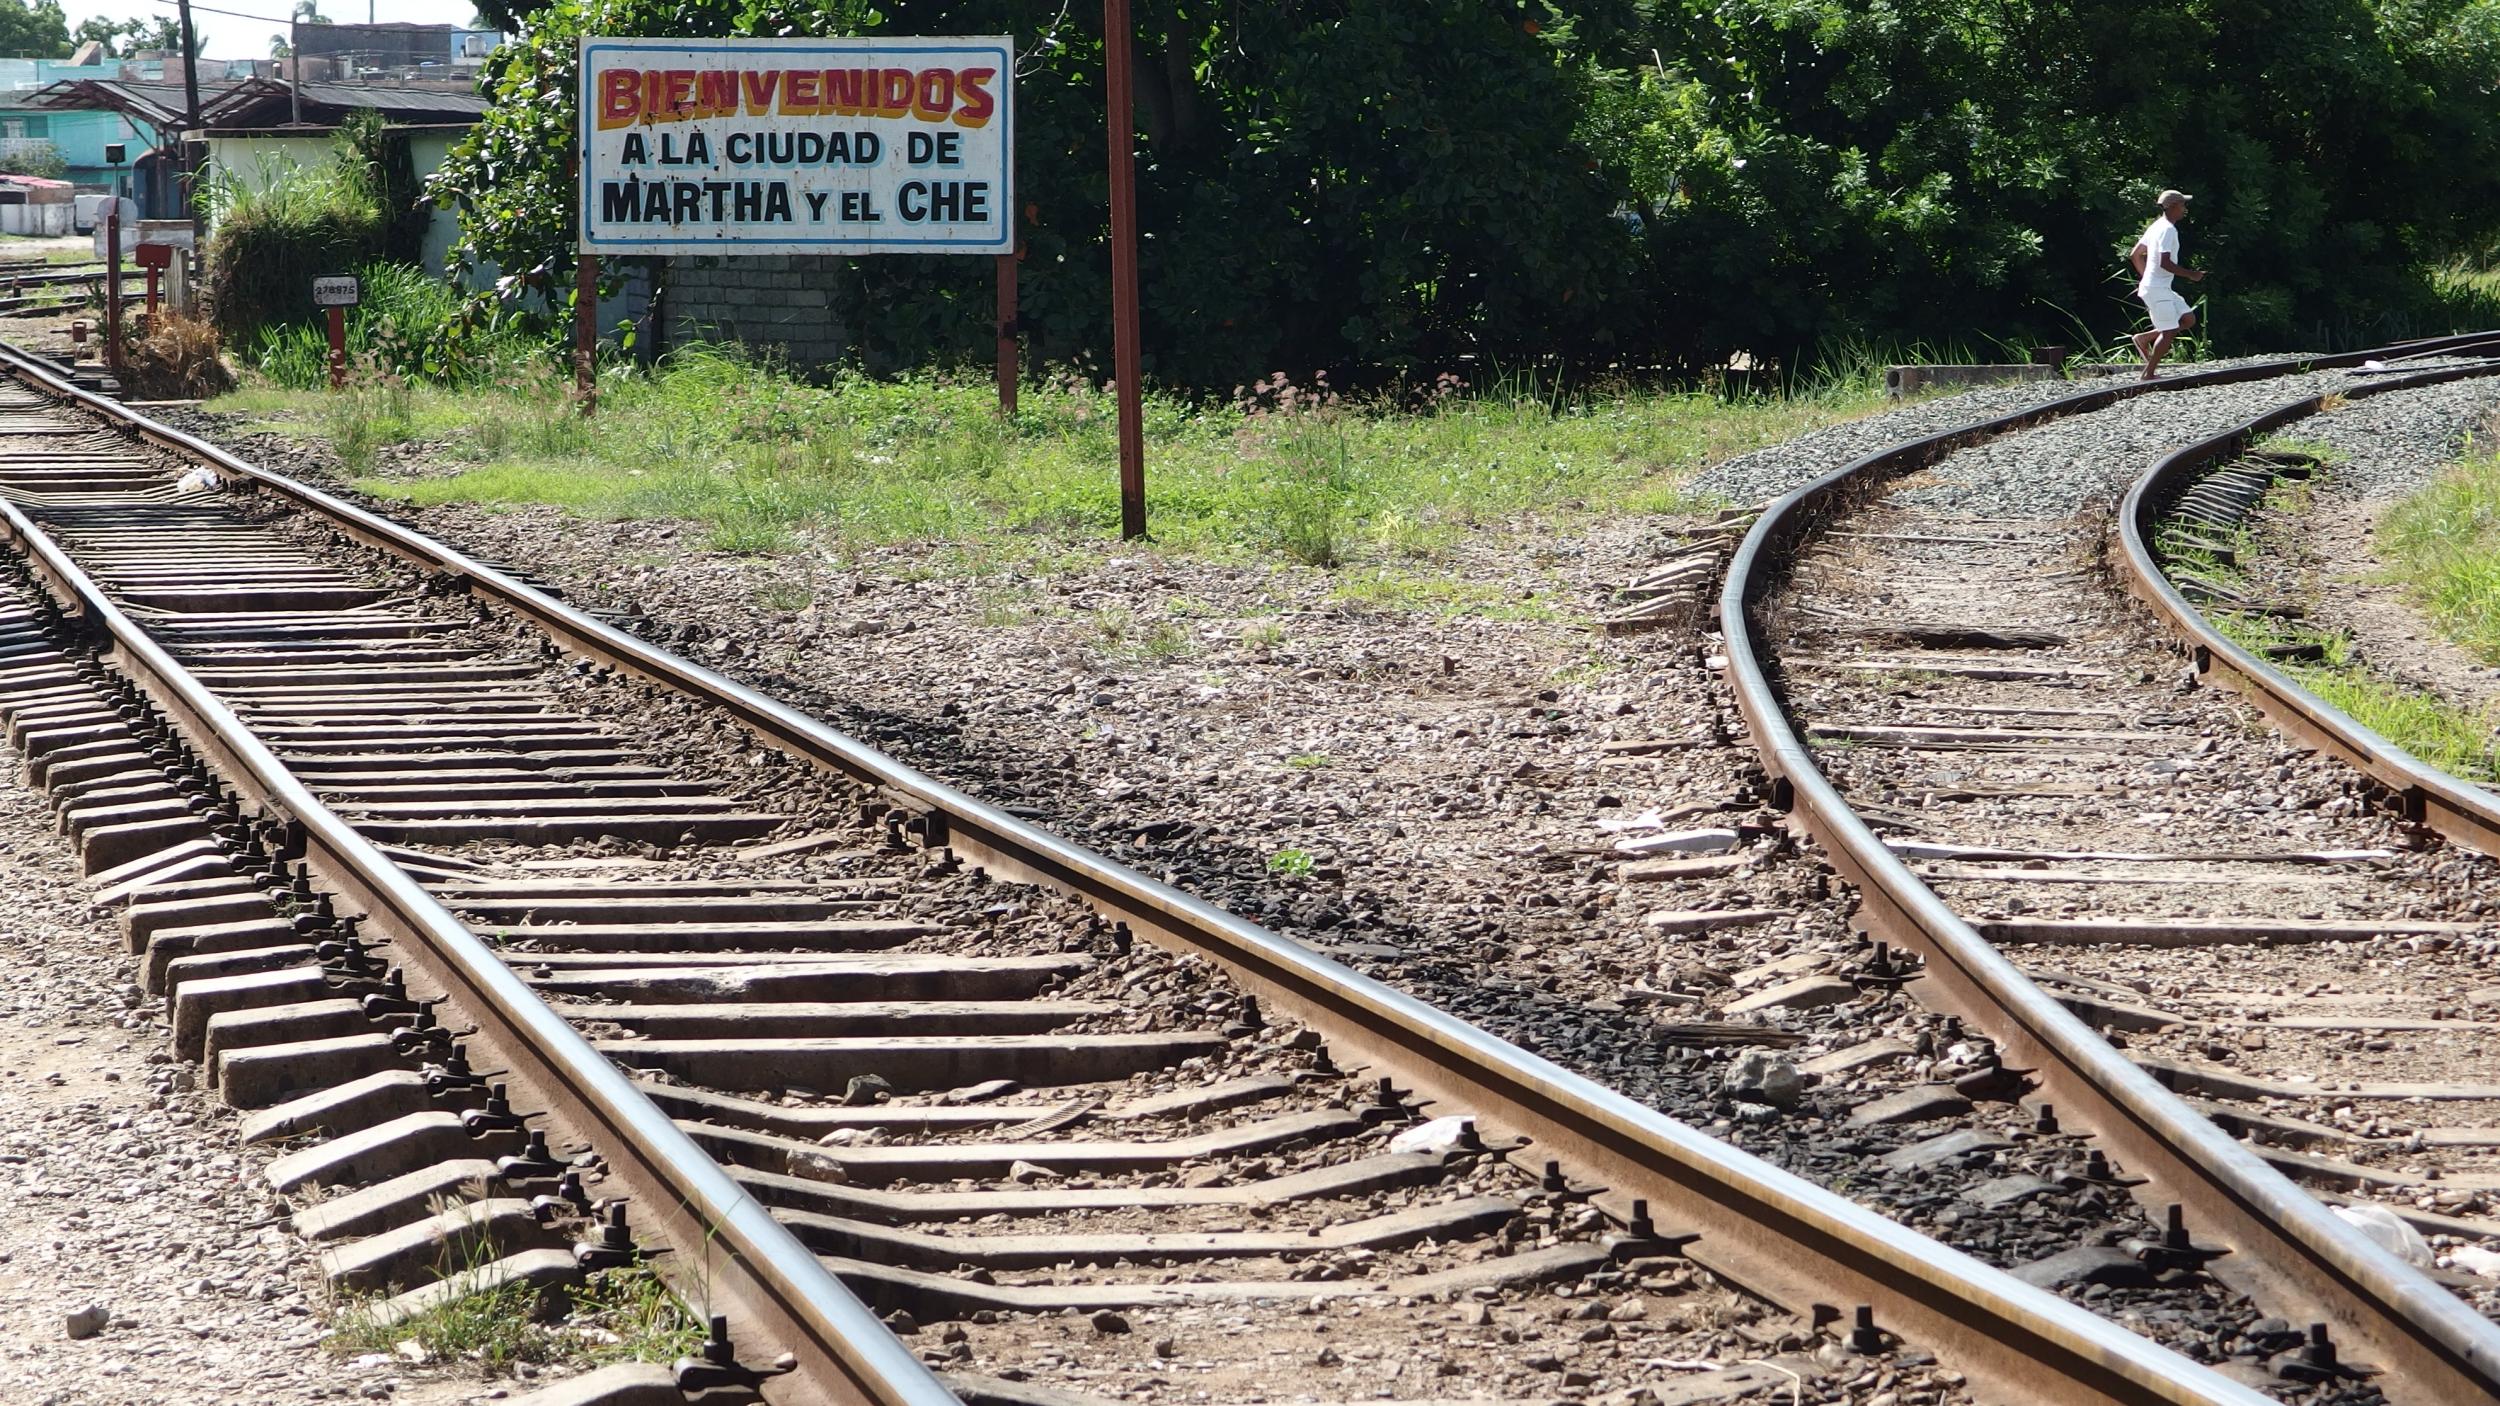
{"x": 2443, "y": 544}
{"x": 406, "y": 323}
{"x": 764, "y": 461}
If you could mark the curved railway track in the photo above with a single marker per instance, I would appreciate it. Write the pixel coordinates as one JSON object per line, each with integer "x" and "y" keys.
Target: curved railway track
{"x": 469, "y": 891}
{"x": 2061, "y": 820}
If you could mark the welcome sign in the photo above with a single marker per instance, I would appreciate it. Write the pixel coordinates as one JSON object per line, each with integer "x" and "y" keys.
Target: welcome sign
{"x": 797, "y": 146}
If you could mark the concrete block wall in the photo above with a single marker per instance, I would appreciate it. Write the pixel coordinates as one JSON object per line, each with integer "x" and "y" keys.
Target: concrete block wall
{"x": 781, "y": 302}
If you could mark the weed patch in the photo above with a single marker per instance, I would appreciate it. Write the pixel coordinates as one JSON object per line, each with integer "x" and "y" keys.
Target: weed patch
{"x": 766, "y": 463}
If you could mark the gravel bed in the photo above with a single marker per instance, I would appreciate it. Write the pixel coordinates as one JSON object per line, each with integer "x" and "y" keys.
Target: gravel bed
{"x": 1446, "y": 785}
{"x": 1765, "y": 474}
{"x": 2394, "y": 444}
{"x": 129, "y": 1193}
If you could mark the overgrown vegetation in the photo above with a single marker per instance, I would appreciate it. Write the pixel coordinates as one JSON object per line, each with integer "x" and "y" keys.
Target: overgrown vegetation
{"x": 617, "y": 1315}
{"x": 1387, "y": 186}
{"x": 281, "y": 227}
{"x": 174, "y": 357}
{"x": 2443, "y": 543}
{"x": 42, "y": 159}
{"x": 761, "y": 459}
{"x": 2456, "y": 739}
{"x": 408, "y": 325}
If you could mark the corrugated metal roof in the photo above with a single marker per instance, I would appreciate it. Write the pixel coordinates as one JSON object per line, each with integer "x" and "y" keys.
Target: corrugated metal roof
{"x": 260, "y": 102}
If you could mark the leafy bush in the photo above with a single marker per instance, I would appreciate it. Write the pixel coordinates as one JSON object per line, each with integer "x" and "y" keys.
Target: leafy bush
{"x": 276, "y": 234}
{"x": 408, "y": 324}
{"x": 1414, "y": 185}
{"x": 34, "y": 158}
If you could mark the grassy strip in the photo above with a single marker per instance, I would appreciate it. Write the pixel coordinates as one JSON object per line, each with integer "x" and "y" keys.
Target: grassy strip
{"x": 617, "y": 1315}
{"x": 2443, "y": 545}
{"x": 2454, "y": 739}
{"x": 767, "y": 463}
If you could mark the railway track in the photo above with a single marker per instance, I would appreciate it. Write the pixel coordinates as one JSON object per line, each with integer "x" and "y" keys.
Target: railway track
{"x": 553, "y": 950}
{"x": 2078, "y": 842}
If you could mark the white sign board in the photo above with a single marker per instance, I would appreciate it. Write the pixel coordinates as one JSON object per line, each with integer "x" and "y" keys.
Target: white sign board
{"x": 334, "y": 292}
{"x": 130, "y": 225}
{"x": 177, "y": 233}
{"x": 798, "y": 146}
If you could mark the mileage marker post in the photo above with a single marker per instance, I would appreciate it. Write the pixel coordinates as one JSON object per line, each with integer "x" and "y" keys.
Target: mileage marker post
{"x": 334, "y": 296}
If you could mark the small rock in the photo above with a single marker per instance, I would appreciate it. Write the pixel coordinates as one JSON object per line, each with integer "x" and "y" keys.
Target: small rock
{"x": 1108, "y": 1323}
{"x": 1028, "y": 1173}
{"x": 86, "y": 1322}
{"x": 865, "y": 1089}
{"x": 1759, "y": 1078}
{"x": 1167, "y": 1348}
{"x": 901, "y": 1323}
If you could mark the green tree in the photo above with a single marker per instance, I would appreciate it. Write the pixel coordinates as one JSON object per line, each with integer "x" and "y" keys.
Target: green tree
{"x": 38, "y": 31}
{"x": 126, "y": 37}
{"x": 34, "y": 159}
{"x": 1406, "y": 185}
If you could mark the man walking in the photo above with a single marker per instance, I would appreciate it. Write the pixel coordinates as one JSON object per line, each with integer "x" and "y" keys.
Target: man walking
{"x": 2156, "y": 260}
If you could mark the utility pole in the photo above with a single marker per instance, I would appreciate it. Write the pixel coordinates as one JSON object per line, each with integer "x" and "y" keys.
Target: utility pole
{"x": 1117, "y": 36}
{"x": 295, "y": 64}
{"x": 194, "y": 149}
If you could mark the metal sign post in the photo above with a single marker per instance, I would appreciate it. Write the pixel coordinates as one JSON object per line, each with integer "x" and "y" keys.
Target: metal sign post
{"x": 586, "y": 332}
{"x": 155, "y": 258}
{"x": 113, "y": 287}
{"x": 1124, "y": 330}
{"x": 1007, "y": 375}
{"x": 335, "y": 296}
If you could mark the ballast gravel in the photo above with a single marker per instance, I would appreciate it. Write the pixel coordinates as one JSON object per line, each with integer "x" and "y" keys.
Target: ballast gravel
{"x": 142, "y": 1259}
{"x": 1767, "y": 473}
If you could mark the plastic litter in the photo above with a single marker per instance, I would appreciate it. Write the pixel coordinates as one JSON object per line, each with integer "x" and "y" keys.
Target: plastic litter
{"x": 2390, "y": 1231}
{"x": 1441, "y": 1135}
{"x": 199, "y": 480}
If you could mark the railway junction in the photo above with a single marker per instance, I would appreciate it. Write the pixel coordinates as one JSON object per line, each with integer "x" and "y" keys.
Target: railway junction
{"x": 526, "y": 952}
{"x": 1956, "y": 931}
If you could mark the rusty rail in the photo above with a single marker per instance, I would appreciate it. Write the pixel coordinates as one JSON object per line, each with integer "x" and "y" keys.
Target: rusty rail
{"x": 731, "y": 1257}
{"x": 2295, "y": 1254}
{"x": 2466, "y": 814}
{"x": 1767, "y": 1230}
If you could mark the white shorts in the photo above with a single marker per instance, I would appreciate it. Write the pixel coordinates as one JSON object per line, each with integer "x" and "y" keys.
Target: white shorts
{"x": 2167, "y": 308}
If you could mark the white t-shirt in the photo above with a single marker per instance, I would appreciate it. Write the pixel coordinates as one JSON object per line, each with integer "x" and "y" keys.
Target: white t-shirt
{"x": 2160, "y": 237}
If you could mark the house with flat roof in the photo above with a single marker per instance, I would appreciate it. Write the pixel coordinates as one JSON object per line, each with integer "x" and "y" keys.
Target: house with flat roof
{"x": 80, "y": 136}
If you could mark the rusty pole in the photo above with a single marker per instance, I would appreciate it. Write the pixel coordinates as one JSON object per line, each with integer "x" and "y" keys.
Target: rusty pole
{"x": 113, "y": 283}
{"x": 586, "y": 332}
{"x": 1007, "y": 369}
{"x": 1124, "y": 337}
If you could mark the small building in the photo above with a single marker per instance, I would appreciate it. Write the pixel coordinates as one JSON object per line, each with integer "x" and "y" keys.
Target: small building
{"x": 80, "y": 137}
{"x": 264, "y": 114}
{"x": 35, "y": 205}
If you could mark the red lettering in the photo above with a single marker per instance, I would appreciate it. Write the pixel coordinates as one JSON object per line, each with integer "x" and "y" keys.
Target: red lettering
{"x": 802, "y": 93}
{"x": 935, "y": 95}
{"x": 894, "y": 90}
{"x": 759, "y": 89}
{"x": 846, "y": 91}
{"x": 620, "y": 97}
{"x": 978, "y": 104}
{"x": 677, "y": 92}
{"x": 716, "y": 92}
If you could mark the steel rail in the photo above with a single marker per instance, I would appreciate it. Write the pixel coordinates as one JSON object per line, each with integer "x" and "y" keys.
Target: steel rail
{"x": 728, "y": 1253}
{"x": 2466, "y": 814}
{"x": 1767, "y": 1230}
{"x": 2296, "y": 1256}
